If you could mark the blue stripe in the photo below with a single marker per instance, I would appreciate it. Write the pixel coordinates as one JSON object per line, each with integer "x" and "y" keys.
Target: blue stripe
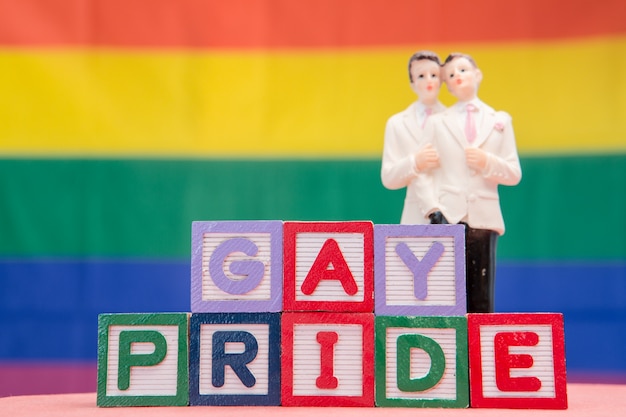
{"x": 592, "y": 298}
{"x": 49, "y": 308}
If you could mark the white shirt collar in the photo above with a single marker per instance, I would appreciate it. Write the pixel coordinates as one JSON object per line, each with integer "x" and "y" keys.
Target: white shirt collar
{"x": 420, "y": 109}
{"x": 461, "y": 105}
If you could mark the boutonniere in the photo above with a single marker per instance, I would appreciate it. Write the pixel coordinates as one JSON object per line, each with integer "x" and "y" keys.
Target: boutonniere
{"x": 499, "y": 127}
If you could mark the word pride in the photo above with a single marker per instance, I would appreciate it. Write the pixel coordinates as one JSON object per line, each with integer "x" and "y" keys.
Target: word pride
{"x": 330, "y": 314}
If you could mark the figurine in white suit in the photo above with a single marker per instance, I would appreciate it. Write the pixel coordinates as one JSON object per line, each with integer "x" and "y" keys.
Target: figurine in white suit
{"x": 404, "y": 153}
{"x": 477, "y": 153}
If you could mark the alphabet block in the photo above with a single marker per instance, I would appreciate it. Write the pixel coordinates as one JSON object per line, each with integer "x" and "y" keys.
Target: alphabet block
{"x": 328, "y": 359}
{"x": 234, "y": 359}
{"x": 421, "y": 362}
{"x": 517, "y": 360}
{"x": 328, "y": 266}
{"x": 236, "y": 266}
{"x": 419, "y": 270}
{"x": 142, "y": 359}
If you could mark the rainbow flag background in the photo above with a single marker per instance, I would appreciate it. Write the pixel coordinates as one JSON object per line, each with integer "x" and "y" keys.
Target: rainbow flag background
{"x": 122, "y": 121}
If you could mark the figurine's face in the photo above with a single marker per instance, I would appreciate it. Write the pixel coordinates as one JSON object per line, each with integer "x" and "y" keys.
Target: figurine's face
{"x": 426, "y": 80}
{"x": 462, "y": 78}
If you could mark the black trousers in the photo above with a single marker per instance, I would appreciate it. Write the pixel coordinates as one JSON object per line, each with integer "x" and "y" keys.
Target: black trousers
{"x": 480, "y": 267}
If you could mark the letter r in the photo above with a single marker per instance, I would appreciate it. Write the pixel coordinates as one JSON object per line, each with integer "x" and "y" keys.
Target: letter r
{"x": 237, "y": 361}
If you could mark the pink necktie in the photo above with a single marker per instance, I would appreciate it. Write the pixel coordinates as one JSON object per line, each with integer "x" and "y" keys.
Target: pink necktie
{"x": 428, "y": 113}
{"x": 470, "y": 124}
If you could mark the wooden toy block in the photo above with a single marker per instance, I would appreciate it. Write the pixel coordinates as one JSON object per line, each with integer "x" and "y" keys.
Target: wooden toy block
{"x": 517, "y": 360}
{"x": 419, "y": 270}
{"x": 234, "y": 359}
{"x": 328, "y": 266}
{"x": 142, "y": 359}
{"x": 327, "y": 359}
{"x": 236, "y": 266}
{"x": 421, "y": 362}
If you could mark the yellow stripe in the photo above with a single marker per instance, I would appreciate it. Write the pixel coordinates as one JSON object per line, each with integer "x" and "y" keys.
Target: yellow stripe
{"x": 564, "y": 97}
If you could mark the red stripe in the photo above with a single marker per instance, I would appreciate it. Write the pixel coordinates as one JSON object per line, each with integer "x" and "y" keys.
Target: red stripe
{"x": 300, "y": 24}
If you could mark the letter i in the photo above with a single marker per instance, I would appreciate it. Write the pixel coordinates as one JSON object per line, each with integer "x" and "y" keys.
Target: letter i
{"x": 327, "y": 341}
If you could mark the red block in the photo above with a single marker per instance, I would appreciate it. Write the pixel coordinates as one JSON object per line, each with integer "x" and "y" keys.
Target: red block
{"x": 517, "y": 360}
{"x": 328, "y": 266}
{"x": 327, "y": 359}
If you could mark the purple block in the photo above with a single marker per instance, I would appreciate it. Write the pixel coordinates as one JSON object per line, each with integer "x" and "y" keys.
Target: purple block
{"x": 419, "y": 270}
{"x": 237, "y": 266}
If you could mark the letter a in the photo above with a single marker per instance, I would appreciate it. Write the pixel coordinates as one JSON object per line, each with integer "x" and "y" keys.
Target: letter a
{"x": 330, "y": 256}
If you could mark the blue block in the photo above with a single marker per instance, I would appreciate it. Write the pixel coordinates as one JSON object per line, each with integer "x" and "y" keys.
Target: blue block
{"x": 234, "y": 359}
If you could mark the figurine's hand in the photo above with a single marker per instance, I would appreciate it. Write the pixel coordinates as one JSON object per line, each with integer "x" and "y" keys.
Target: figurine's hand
{"x": 437, "y": 218}
{"x": 476, "y": 158}
{"x": 426, "y": 158}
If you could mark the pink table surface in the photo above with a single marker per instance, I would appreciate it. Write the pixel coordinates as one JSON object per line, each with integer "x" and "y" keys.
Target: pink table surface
{"x": 585, "y": 400}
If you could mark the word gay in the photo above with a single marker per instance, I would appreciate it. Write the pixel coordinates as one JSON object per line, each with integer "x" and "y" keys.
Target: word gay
{"x": 271, "y": 266}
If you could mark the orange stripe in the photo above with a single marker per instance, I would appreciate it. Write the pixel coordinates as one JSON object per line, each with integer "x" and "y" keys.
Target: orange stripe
{"x": 255, "y": 24}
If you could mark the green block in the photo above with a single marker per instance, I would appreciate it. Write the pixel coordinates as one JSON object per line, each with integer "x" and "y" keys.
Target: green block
{"x": 143, "y": 359}
{"x": 422, "y": 362}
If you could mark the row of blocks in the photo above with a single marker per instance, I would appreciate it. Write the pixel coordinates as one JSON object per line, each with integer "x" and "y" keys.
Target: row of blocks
{"x": 512, "y": 360}
{"x": 273, "y": 266}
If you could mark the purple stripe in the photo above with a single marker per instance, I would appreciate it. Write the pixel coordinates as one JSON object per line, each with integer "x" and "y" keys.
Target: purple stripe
{"x": 46, "y": 378}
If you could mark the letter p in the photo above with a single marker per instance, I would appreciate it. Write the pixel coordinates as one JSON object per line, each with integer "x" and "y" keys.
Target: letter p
{"x": 129, "y": 359}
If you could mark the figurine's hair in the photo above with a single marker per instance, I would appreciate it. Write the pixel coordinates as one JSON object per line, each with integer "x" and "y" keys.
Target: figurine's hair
{"x": 419, "y": 55}
{"x": 454, "y": 55}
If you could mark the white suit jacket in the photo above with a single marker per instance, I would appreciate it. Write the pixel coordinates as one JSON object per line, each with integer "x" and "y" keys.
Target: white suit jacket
{"x": 403, "y": 138}
{"x": 462, "y": 193}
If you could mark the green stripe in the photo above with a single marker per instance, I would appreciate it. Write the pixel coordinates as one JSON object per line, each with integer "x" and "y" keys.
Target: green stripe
{"x": 565, "y": 207}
